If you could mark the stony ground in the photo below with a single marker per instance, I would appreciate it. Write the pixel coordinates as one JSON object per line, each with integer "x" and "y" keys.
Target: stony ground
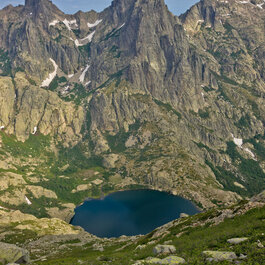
{"x": 222, "y": 236}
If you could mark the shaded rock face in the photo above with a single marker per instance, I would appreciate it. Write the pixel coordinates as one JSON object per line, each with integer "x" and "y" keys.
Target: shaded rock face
{"x": 161, "y": 99}
{"x": 27, "y": 110}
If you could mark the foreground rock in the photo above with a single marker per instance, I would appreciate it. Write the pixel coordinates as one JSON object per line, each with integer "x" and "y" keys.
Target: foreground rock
{"x": 164, "y": 249}
{"x": 219, "y": 255}
{"x": 13, "y": 254}
{"x": 237, "y": 240}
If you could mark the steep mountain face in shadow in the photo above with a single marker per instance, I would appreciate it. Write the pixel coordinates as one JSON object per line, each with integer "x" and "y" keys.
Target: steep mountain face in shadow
{"x": 135, "y": 96}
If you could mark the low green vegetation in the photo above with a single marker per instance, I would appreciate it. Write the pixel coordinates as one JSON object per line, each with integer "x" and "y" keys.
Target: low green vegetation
{"x": 34, "y": 146}
{"x": 5, "y": 64}
{"x": 56, "y": 82}
{"x": 258, "y": 146}
{"x": 249, "y": 169}
{"x": 75, "y": 159}
{"x": 244, "y": 122}
{"x": 167, "y": 107}
{"x": 201, "y": 146}
{"x": 208, "y": 89}
{"x": 113, "y": 34}
{"x": 190, "y": 241}
{"x": 116, "y": 77}
{"x": 117, "y": 142}
{"x": 204, "y": 114}
{"x": 115, "y": 51}
{"x": 85, "y": 50}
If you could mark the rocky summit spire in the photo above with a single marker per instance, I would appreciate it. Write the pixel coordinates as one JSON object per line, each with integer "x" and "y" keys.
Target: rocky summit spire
{"x": 44, "y": 7}
{"x": 39, "y": 5}
{"x": 34, "y": 3}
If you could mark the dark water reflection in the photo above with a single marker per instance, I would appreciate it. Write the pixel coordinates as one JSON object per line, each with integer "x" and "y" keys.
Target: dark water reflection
{"x": 130, "y": 212}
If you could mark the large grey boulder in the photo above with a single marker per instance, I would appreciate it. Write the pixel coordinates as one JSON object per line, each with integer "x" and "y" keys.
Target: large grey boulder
{"x": 219, "y": 255}
{"x": 12, "y": 254}
{"x": 164, "y": 249}
{"x": 171, "y": 260}
{"x": 238, "y": 240}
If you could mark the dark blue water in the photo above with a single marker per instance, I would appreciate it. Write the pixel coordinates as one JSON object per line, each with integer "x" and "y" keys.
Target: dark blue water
{"x": 130, "y": 212}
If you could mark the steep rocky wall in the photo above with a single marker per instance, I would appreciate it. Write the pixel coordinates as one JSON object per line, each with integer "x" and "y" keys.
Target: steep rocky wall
{"x": 27, "y": 109}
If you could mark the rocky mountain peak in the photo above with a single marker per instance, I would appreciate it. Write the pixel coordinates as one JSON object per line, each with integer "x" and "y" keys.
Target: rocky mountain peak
{"x": 40, "y": 8}
{"x": 35, "y": 4}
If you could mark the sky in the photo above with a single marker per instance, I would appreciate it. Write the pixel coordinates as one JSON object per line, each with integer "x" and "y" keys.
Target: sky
{"x": 71, "y": 6}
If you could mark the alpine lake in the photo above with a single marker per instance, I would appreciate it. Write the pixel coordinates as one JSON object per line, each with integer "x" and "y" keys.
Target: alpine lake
{"x": 130, "y": 212}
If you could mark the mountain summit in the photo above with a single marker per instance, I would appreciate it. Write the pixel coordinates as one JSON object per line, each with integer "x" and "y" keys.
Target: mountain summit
{"x": 131, "y": 97}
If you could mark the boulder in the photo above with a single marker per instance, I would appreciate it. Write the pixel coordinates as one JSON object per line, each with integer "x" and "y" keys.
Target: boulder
{"x": 259, "y": 244}
{"x": 12, "y": 254}
{"x": 183, "y": 215}
{"x": 140, "y": 247}
{"x": 237, "y": 240}
{"x": 171, "y": 260}
{"x": 164, "y": 249}
{"x": 219, "y": 255}
{"x": 152, "y": 261}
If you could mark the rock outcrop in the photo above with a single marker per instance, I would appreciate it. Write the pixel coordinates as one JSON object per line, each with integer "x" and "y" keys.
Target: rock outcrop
{"x": 164, "y": 249}
{"x": 12, "y": 254}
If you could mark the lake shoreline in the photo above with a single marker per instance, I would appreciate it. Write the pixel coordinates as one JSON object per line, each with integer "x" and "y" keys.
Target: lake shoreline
{"x": 136, "y": 211}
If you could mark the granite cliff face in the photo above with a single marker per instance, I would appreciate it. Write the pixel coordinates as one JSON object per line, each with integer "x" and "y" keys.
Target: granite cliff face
{"x": 134, "y": 96}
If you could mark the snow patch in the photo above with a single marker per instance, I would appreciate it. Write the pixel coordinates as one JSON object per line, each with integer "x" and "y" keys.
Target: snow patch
{"x": 69, "y": 23}
{"x": 86, "y": 84}
{"x": 239, "y": 185}
{"x": 2, "y": 127}
{"x": 35, "y": 130}
{"x": 250, "y": 152}
{"x": 52, "y": 75}
{"x": 89, "y": 37}
{"x": 121, "y": 26}
{"x": 66, "y": 89}
{"x": 244, "y": 2}
{"x": 94, "y": 24}
{"x": 73, "y": 22}
{"x": 238, "y": 141}
{"x": 85, "y": 40}
{"x": 70, "y": 76}
{"x": 261, "y": 5}
{"x": 28, "y": 201}
{"x": 82, "y": 76}
{"x": 54, "y": 22}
